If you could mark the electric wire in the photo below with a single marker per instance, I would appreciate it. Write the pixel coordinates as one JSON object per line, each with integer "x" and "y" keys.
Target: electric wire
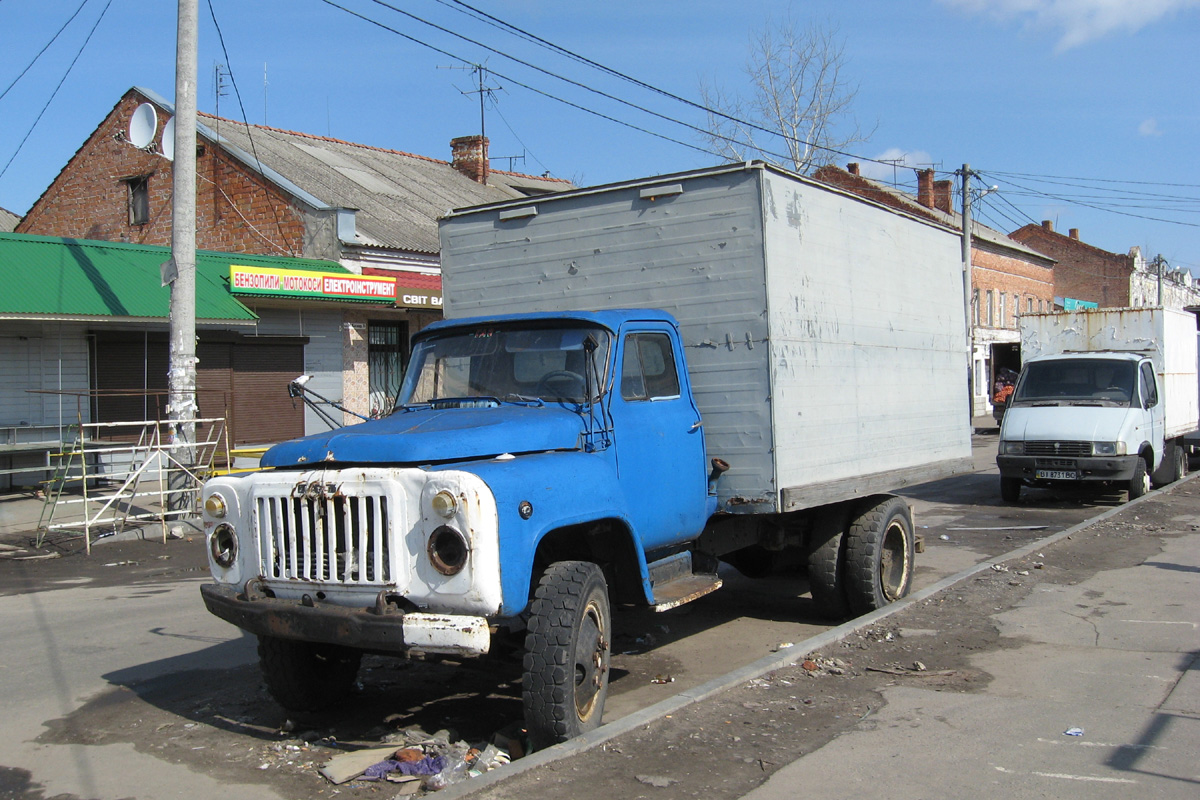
{"x": 54, "y": 93}
{"x": 253, "y": 150}
{"x": 569, "y": 81}
{"x": 44, "y": 49}
{"x": 525, "y": 86}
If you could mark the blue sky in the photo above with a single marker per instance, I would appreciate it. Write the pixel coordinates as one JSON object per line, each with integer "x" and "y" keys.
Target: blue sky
{"x": 1070, "y": 107}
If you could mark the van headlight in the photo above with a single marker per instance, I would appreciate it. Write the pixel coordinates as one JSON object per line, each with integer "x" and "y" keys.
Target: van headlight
{"x": 215, "y": 506}
{"x": 1108, "y": 448}
{"x": 1010, "y": 448}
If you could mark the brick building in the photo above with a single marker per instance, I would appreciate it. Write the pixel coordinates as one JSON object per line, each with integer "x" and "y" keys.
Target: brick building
{"x": 1008, "y": 278}
{"x": 260, "y": 190}
{"x": 1082, "y": 272}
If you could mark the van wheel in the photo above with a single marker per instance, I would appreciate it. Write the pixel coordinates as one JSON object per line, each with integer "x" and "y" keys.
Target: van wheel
{"x": 879, "y": 556}
{"x": 826, "y": 565}
{"x": 1139, "y": 484}
{"x": 1010, "y": 489}
{"x": 307, "y": 676}
{"x": 566, "y": 653}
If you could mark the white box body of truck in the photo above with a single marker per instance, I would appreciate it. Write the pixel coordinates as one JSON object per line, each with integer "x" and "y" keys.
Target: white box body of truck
{"x": 825, "y": 334}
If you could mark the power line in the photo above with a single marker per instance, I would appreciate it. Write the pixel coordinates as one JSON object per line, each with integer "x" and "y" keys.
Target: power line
{"x": 44, "y": 49}
{"x": 237, "y": 93}
{"x": 54, "y": 94}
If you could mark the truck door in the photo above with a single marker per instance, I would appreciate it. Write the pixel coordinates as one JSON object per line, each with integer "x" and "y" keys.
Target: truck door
{"x": 659, "y": 441}
{"x": 1151, "y": 399}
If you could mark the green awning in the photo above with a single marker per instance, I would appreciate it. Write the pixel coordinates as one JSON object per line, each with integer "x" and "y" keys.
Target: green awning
{"x": 50, "y": 277}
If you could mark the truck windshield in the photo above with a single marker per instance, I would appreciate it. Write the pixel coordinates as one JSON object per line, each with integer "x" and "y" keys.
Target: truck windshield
{"x": 1104, "y": 382}
{"x": 507, "y": 363}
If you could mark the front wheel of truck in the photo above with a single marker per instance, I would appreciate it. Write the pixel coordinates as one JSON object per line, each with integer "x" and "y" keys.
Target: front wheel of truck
{"x": 566, "y": 653}
{"x": 1139, "y": 484}
{"x": 880, "y": 551}
{"x": 307, "y": 676}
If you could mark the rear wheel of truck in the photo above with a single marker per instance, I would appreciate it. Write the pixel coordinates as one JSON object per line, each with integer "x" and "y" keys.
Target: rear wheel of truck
{"x": 566, "y": 653}
{"x": 826, "y": 565}
{"x": 1010, "y": 489}
{"x": 1174, "y": 467}
{"x": 879, "y": 556}
{"x": 307, "y": 676}
{"x": 1139, "y": 484}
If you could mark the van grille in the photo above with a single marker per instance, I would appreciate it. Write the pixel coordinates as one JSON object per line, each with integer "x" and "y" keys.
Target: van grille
{"x": 1062, "y": 449}
{"x": 340, "y": 538}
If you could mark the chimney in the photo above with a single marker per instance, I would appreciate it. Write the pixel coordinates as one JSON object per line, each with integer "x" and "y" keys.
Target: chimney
{"x": 1075, "y": 234}
{"x": 852, "y": 168}
{"x": 1048, "y": 225}
{"x": 941, "y": 196}
{"x": 470, "y": 155}
{"x": 925, "y": 188}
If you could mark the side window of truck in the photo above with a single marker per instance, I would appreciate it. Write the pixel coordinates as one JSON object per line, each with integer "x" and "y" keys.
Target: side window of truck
{"x": 1149, "y": 387}
{"x": 648, "y": 370}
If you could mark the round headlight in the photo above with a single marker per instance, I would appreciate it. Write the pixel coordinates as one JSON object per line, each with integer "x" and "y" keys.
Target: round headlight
{"x": 215, "y": 506}
{"x": 223, "y": 545}
{"x": 444, "y": 504}
{"x": 448, "y": 550}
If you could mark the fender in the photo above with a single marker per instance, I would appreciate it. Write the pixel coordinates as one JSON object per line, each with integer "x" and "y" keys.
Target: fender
{"x": 562, "y": 488}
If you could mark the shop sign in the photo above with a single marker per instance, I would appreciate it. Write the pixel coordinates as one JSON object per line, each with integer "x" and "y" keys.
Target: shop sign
{"x": 318, "y": 285}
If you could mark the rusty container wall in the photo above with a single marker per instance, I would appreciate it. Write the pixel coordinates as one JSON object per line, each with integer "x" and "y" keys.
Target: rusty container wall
{"x": 1167, "y": 336}
{"x": 824, "y": 334}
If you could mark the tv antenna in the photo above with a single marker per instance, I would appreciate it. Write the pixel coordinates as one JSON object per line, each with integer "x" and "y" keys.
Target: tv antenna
{"x": 483, "y": 91}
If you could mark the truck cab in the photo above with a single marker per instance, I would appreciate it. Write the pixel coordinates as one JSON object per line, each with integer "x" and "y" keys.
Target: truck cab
{"x": 531, "y": 460}
{"x": 1092, "y": 417}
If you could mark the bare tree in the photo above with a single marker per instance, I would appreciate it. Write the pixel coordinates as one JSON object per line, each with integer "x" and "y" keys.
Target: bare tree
{"x": 798, "y": 101}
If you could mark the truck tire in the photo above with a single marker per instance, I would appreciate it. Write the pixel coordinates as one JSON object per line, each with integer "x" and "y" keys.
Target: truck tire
{"x": 307, "y": 676}
{"x": 1174, "y": 467}
{"x": 566, "y": 653}
{"x": 879, "y": 556}
{"x": 1010, "y": 489}
{"x": 826, "y": 566}
{"x": 1139, "y": 484}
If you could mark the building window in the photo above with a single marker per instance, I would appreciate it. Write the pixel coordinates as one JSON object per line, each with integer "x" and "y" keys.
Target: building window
{"x": 975, "y": 308}
{"x": 139, "y": 200}
{"x": 1003, "y": 310}
{"x": 1029, "y": 305}
{"x": 387, "y": 350}
{"x": 991, "y": 309}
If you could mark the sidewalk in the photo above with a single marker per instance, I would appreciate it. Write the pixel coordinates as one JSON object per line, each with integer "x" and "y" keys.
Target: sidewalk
{"x": 1067, "y": 669}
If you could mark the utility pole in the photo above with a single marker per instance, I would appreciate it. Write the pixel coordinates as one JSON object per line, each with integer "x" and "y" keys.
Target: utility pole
{"x": 181, "y": 373}
{"x": 966, "y": 173}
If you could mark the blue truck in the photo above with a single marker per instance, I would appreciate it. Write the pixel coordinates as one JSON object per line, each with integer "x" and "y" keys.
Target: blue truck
{"x": 634, "y": 384}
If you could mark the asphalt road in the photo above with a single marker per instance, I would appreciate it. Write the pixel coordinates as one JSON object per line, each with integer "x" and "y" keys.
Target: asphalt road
{"x": 117, "y": 683}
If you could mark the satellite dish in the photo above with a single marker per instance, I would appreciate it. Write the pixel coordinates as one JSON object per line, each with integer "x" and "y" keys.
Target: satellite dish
{"x": 168, "y": 140}
{"x": 143, "y": 125}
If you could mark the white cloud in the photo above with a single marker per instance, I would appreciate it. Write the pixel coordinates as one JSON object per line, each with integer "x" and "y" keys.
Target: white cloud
{"x": 1149, "y": 128}
{"x": 904, "y": 160}
{"x": 1080, "y": 21}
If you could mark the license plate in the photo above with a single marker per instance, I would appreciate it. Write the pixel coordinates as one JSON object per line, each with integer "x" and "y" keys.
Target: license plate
{"x": 1056, "y": 475}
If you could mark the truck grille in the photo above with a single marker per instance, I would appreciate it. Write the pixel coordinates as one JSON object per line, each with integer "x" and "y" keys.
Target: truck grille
{"x": 337, "y": 538}
{"x": 1061, "y": 449}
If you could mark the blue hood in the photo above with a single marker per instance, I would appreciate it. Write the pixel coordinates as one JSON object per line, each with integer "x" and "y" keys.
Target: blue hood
{"x": 426, "y": 435}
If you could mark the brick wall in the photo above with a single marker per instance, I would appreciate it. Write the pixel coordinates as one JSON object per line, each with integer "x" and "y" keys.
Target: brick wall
{"x": 90, "y": 197}
{"x": 1012, "y": 282}
{"x": 1083, "y": 272}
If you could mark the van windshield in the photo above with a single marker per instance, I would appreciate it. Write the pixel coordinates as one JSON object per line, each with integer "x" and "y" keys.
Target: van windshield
{"x": 1074, "y": 381}
{"x": 508, "y": 363}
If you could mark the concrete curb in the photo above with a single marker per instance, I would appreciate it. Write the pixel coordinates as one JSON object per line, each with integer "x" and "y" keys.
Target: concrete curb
{"x": 762, "y": 666}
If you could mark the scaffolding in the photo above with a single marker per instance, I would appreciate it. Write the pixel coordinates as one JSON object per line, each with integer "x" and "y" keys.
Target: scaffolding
{"x": 102, "y": 484}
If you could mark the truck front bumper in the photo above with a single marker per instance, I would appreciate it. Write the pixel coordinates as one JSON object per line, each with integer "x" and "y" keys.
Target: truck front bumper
{"x": 1037, "y": 469}
{"x": 381, "y": 628}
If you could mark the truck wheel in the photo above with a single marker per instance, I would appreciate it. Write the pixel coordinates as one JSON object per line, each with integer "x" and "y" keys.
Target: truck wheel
{"x": 1181, "y": 463}
{"x": 307, "y": 676}
{"x": 1010, "y": 489}
{"x": 879, "y": 556}
{"x": 566, "y": 653}
{"x": 1139, "y": 484}
{"x": 826, "y": 564}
